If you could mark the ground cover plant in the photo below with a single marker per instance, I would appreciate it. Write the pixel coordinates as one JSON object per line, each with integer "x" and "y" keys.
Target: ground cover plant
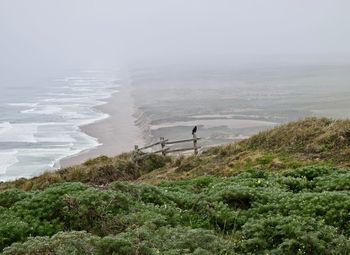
{"x": 300, "y": 211}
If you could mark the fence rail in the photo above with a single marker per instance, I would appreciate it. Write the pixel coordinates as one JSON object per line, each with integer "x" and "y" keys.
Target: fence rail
{"x": 139, "y": 152}
{"x": 182, "y": 141}
{"x": 151, "y": 145}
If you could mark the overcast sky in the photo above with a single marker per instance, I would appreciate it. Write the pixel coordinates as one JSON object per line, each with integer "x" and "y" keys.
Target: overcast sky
{"x": 53, "y": 34}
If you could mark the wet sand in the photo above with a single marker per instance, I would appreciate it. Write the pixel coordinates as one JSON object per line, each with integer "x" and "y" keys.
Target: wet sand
{"x": 117, "y": 134}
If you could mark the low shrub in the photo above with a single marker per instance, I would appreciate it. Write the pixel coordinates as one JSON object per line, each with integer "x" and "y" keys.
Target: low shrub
{"x": 300, "y": 211}
{"x": 62, "y": 243}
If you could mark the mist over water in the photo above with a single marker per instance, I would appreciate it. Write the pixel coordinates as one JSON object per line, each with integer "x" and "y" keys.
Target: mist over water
{"x": 41, "y": 36}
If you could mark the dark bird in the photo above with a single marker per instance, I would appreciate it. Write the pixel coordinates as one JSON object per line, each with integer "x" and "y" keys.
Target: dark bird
{"x": 194, "y": 130}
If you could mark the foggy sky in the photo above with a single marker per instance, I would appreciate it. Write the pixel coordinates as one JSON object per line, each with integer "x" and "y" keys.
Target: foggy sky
{"x": 49, "y": 34}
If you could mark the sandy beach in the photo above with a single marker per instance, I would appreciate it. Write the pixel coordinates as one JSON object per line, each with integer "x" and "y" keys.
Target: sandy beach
{"x": 117, "y": 134}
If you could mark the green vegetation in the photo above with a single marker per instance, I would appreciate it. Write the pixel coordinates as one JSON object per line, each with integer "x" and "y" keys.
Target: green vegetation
{"x": 242, "y": 198}
{"x": 305, "y": 211}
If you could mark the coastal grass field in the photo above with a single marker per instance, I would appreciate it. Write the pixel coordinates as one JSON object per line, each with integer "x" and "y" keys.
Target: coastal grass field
{"x": 282, "y": 191}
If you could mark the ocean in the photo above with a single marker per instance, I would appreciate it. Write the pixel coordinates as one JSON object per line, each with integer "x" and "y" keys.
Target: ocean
{"x": 40, "y": 120}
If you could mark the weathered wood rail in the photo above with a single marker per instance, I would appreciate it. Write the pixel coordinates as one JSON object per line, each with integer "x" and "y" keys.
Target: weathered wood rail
{"x": 139, "y": 152}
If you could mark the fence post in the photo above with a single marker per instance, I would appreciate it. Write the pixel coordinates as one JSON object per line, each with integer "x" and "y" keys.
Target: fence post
{"x": 135, "y": 155}
{"x": 162, "y": 143}
{"x": 195, "y": 147}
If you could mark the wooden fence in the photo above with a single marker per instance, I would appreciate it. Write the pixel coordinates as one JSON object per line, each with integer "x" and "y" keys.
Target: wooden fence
{"x": 139, "y": 153}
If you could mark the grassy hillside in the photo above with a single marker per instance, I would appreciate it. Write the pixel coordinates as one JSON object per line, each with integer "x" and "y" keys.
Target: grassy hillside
{"x": 283, "y": 191}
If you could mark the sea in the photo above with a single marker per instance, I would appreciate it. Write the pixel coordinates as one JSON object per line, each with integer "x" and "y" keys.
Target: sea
{"x": 41, "y": 119}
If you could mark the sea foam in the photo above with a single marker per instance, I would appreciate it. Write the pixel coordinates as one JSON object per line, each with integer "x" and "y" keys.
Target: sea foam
{"x": 47, "y": 128}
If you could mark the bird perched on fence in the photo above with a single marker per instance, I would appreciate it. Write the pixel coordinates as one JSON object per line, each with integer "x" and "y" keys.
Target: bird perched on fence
{"x": 194, "y": 130}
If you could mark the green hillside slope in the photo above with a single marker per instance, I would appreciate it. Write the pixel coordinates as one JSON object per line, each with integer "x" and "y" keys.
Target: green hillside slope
{"x": 283, "y": 191}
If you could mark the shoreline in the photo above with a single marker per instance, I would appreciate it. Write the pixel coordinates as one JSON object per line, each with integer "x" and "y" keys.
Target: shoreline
{"x": 116, "y": 134}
